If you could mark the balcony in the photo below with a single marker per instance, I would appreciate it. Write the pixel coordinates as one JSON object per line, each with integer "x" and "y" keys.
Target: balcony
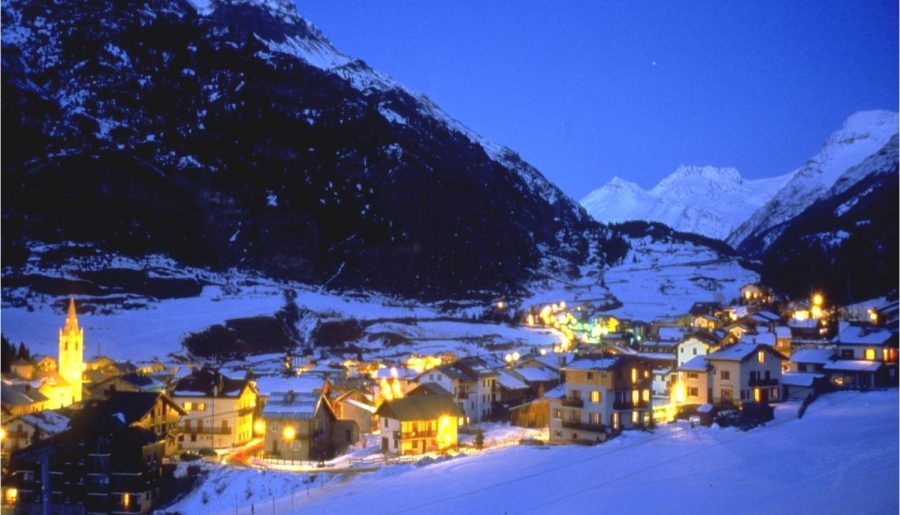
{"x": 627, "y": 405}
{"x": 573, "y": 403}
{"x": 206, "y": 430}
{"x": 419, "y": 434}
{"x": 763, "y": 382}
{"x": 596, "y": 428}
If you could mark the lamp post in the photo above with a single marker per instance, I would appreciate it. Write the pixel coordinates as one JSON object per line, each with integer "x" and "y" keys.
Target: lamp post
{"x": 289, "y": 434}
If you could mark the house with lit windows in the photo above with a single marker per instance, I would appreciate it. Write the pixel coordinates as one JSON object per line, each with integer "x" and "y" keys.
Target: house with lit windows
{"x": 693, "y": 386}
{"x": 603, "y": 394}
{"x": 219, "y": 410}
{"x": 419, "y": 423}
{"x": 303, "y": 426}
{"x": 756, "y": 294}
{"x": 109, "y": 460}
{"x": 866, "y": 357}
{"x": 745, "y": 372}
{"x": 697, "y": 343}
{"x": 471, "y": 382}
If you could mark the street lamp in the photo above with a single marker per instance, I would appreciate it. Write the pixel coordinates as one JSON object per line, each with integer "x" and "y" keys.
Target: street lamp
{"x": 289, "y": 434}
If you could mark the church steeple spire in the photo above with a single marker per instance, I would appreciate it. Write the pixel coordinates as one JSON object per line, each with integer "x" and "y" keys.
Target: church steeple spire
{"x": 71, "y": 353}
{"x": 71, "y": 318}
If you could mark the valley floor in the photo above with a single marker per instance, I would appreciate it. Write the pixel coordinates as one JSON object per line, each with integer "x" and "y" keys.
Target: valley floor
{"x": 842, "y": 457}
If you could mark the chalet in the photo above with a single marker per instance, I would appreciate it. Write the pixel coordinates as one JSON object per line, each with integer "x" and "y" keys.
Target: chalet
{"x": 355, "y": 405}
{"x": 706, "y": 321}
{"x": 20, "y": 398}
{"x": 756, "y": 294}
{"x": 25, "y": 430}
{"x": 867, "y": 357}
{"x": 601, "y": 393}
{"x": 697, "y": 343}
{"x": 219, "y": 409}
{"x": 303, "y": 426}
{"x": 745, "y": 372}
{"x": 693, "y": 381}
{"x": 125, "y": 383}
{"x": 472, "y": 384}
{"x": 419, "y": 423}
{"x": 783, "y": 340}
{"x": 101, "y": 464}
{"x": 512, "y": 389}
{"x": 705, "y": 308}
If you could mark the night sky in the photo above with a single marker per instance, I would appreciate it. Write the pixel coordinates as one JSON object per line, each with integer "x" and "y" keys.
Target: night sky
{"x": 587, "y": 90}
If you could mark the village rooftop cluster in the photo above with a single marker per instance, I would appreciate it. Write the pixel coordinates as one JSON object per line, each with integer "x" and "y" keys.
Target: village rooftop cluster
{"x": 107, "y": 435}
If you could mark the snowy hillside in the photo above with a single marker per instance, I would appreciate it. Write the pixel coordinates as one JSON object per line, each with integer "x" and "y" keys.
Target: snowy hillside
{"x": 862, "y": 135}
{"x": 699, "y": 199}
{"x": 826, "y": 462}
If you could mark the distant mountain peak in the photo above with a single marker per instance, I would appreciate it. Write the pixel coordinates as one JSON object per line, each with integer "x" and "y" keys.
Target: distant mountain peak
{"x": 706, "y": 200}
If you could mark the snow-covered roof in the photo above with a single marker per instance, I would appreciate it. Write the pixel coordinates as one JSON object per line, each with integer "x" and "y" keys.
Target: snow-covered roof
{"x": 671, "y": 333}
{"x": 817, "y": 356}
{"x": 782, "y": 331}
{"x": 738, "y": 351}
{"x": 761, "y": 338}
{"x": 535, "y": 374}
{"x": 290, "y": 405}
{"x": 799, "y": 378}
{"x": 772, "y": 317}
{"x": 49, "y": 422}
{"x": 592, "y": 364}
{"x": 695, "y": 364}
{"x": 657, "y": 356}
{"x": 304, "y": 383}
{"x": 859, "y": 335}
{"x": 401, "y": 373}
{"x": 853, "y": 365}
{"x": 509, "y": 380}
{"x": 556, "y": 393}
{"x": 705, "y": 408}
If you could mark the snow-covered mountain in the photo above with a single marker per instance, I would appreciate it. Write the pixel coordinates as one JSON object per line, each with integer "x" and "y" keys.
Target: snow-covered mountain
{"x": 862, "y": 135}
{"x": 704, "y": 200}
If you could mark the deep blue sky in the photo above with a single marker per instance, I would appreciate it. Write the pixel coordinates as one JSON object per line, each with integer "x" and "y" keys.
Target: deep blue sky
{"x": 572, "y": 86}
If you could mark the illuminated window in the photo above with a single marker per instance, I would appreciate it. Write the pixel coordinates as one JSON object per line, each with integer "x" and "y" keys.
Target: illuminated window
{"x": 774, "y": 393}
{"x": 646, "y": 374}
{"x": 635, "y": 397}
{"x": 595, "y": 397}
{"x": 761, "y": 356}
{"x": 188, "y": 406}
{"x": 646, "y": 395}
{"x": 757, "y": 395}
{"x": 634, "y": 417}
{"x": 633, "y": 375}
{"x": 870, "y": 354}
{"x": 557, "y": 413}
{"x": 201, "y": 406}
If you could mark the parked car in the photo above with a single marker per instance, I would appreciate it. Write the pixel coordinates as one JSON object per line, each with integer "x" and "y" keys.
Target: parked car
{"x": 189, "y": 456}
{"x": 209, "y": 456}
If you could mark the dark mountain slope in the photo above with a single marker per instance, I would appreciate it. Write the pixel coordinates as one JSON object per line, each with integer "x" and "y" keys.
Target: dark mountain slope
{"x": 222, "y": 140}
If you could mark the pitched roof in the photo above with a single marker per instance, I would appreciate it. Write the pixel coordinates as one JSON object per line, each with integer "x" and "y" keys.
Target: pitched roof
{"x": 740, "y": 351}
{"x": 204, "y": 382}
{"x": 853, "y": 365}
{"x": 510, "y": 380}
{"x": 292, "y": 405}
{"x": 695, "y": 364}
{"x": 592, "y": 363}
{"x": 862, "y": 335}
{"x": 428, "y": 389}
{"x": 799, "y": 378}
{"x": 47, "y": 421}
{"x": 18, "y": 394}
{"x": 817, "y": 356}
{"x": 132, "y": 405}
{"x": 419, "y": 407}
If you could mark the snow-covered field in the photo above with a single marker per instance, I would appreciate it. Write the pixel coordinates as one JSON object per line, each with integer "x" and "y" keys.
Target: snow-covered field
{"x": 842, "y": 457}
{"x": 659, "y": 279}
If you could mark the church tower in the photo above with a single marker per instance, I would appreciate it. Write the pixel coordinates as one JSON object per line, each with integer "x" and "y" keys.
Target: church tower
{"x": 71, "y": 352}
